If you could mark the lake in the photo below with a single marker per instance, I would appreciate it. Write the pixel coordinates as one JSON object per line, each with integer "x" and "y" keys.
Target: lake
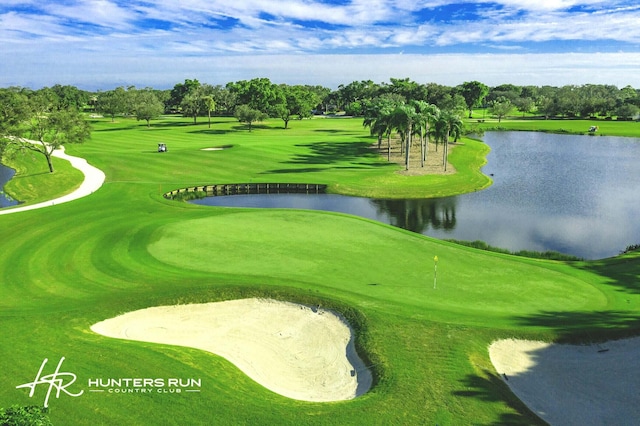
{"x": 6, "y": 174}
{"x": 578, "y": 195}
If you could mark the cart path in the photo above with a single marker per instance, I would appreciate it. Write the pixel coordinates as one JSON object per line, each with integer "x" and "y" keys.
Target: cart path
{"x": 93, "y": 180}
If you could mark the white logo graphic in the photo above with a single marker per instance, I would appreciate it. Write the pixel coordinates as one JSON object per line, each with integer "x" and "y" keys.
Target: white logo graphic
{"x": 55, "y": 380}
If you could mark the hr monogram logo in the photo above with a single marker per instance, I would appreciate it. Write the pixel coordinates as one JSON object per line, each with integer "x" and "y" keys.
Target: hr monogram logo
{"x": 55, "y": 380}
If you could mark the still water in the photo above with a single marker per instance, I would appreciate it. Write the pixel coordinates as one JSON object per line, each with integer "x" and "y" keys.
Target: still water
{"x": 573, "y": 194}
{"x": 6, "y": 174}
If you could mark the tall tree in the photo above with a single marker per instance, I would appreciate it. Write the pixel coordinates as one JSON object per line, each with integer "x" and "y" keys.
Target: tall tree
{"x": 209, "y": 105}
{"x": 179, "y": 91}
{"x": 225, "y": 99}
{"x": 47, "y": 128}
{"x": 403, "y": 118}
{"x": 70, "y": 97}
{"x": 295, "y": 100}
{"x": 447, "y": 124}
{"x": 500, "y": 108}
{"x": 426, "y": 115}
{"x": 191, "y": 105}
{"x": 473, "y": 93}
{"x": 147, "y": 106}
{"x": 258, "y": 93}
{"x": 378, "y": 117}
{"x": 408, "y": 89}
{"x": 524, "y": 105}
{"x": 112, "y": 102}
{"x": 14, "y": 112}
{"x": 248, "y": 115}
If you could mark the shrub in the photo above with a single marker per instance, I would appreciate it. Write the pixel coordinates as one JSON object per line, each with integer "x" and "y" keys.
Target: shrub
{"x": 549, "y": 254}
{"x": 630, "y": 248}
{"x": 24, "y": 416}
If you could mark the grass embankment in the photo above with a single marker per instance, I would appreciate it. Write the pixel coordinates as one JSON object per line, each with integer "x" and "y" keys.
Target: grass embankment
{"x": 125, "y": 247}
{"x": 33, "y": 183}
{"x": 556, "y": 125}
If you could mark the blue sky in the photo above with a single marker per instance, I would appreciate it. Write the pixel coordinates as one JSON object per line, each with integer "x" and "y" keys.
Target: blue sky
{"x": 101, "y": 44}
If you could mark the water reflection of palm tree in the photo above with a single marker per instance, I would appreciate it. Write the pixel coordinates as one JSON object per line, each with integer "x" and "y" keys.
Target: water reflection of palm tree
{"x": 419, "y": 215}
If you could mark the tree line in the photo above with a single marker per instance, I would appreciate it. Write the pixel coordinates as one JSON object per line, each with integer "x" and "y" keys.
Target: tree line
{"x": 194, "y": 99}
{"x": 52, "y": 116}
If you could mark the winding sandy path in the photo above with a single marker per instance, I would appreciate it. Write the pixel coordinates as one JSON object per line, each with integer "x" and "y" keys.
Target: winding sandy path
{"x": 573, "y": 385}
{"x": 294, "y": 350}
{"x": 93, "y": 180}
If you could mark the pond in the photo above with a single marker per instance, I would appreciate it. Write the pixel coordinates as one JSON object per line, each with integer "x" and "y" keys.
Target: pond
{"x": 573, "y": 194}
{"x": 6, "y": 174}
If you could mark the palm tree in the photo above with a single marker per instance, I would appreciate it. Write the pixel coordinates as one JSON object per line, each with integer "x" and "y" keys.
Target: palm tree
{"x": 448, "y": 124}
{"x": 426, "y": 114}
{"x": 403, "y": 119}
{"x": 377, "y": 117}
{"x": 210, "y": 105}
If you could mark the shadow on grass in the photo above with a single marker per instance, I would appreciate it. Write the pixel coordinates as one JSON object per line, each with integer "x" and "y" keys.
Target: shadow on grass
{"x": 586, "y": 327}
{"x": 622, "y": 272}
{"x": 209, "y": 132}
{"x": 490, "y": 388}
{"x": 334, "y": 152}
{"x": 116, "y": 129}
{"x": 298, "y": 170}
{"x": 317, "y": 169}
{"x": 245, "y": 127}
{"x": 332, "y": 131}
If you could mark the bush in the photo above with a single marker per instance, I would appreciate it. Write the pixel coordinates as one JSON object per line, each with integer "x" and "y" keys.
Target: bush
{"x": 189, "y": 195}
{"x": 630, "y": 248}
{"x": 549, "y": 254}
{"x": 24, "y": 416}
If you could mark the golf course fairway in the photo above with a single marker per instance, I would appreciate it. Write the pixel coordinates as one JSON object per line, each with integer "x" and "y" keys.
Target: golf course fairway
{"x": 125, "y": 247}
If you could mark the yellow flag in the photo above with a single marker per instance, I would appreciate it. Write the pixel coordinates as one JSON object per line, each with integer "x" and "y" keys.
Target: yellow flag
{"x": 435, "y": 259}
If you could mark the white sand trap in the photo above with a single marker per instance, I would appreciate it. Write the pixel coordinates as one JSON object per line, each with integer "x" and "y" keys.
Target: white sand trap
{"x": 217, "y": 148}
{"x": 291, "y": 349}
{"x": 574, "y": 385}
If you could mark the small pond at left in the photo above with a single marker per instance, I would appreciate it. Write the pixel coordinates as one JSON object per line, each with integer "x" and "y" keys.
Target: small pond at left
{"x": 6, "y": 174}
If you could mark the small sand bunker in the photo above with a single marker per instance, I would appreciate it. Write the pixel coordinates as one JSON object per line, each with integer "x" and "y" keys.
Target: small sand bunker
{"x": 217, "y": 148}
{"x": 296, "y": 351}
{"x": 573, "y": 385}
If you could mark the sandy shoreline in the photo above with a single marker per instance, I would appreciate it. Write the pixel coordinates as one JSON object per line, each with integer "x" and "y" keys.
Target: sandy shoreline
{"x": 573, "y": 385}
{"x": 291, "y": 349}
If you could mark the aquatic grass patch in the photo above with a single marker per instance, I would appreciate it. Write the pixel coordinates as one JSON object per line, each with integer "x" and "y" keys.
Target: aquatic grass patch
{"x": 566, "y": 126}
{"x": 549, "y": 254}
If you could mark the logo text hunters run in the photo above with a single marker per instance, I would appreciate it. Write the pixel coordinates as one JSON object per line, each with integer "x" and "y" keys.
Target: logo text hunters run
{"x": 144, "y": 385}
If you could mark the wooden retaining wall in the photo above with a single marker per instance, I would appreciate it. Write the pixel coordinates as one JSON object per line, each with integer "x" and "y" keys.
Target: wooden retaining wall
{"x": 252, "y": 188}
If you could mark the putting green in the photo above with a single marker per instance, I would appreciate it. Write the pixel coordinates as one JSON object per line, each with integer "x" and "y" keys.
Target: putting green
{"x": 303, "y": 248}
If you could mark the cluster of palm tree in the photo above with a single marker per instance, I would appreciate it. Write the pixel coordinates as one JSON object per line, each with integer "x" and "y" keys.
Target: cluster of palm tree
{"x": 420, "y": 119}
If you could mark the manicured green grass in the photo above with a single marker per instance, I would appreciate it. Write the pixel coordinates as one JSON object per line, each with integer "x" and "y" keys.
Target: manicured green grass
{"x": 125, "y": 247}
{"x": 34, "y": 183}
{"x": 573, "y": 126}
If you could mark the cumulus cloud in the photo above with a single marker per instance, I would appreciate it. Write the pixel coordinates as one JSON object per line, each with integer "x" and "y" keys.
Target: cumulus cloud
{"x": 91, "y": 30}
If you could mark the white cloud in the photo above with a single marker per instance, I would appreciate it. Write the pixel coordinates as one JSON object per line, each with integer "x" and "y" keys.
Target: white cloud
{"x": 195, "y": 35}
{"x": 96, "y": 71}
{"x": 96, "y": 12}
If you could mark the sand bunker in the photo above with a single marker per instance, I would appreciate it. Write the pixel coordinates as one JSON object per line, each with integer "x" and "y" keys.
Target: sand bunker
{"x": 573, "y": 385}
{"x": 296, "y": 351}
{"x": 217, "y": 148}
